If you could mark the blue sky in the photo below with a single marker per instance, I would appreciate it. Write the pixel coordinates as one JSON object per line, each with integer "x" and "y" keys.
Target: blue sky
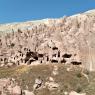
{"x": 24, "y": 10}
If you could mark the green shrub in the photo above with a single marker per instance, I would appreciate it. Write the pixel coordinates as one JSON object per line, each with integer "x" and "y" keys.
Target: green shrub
{"x": 79, "y": 89}
{"x": 79, "y": 75}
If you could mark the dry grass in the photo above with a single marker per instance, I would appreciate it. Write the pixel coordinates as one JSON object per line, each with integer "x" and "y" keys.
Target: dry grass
{"x": 68, "y": 81}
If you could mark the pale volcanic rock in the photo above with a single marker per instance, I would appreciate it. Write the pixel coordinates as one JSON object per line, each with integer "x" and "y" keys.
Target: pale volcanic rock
{"x": 75, "y": 93}
{"x": 52, "y": 38}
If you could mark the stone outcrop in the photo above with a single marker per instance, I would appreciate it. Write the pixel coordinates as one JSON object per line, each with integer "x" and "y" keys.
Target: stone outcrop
{"x": 75, "y": 93}
{"x": 68, "y": 40}
{"x": 9, "y": 87}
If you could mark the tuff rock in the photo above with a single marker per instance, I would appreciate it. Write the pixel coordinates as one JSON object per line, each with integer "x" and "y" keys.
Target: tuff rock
{"x": 69, "y": 40}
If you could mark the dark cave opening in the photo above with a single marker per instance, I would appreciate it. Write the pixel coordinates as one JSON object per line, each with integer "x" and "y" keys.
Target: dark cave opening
{"x": 55, "y": 48}
{"x": 54, "y": 61}
{"x": 76, "y": 63}
{"x": 63, "y": 61}
{"x": 67, "y": 55}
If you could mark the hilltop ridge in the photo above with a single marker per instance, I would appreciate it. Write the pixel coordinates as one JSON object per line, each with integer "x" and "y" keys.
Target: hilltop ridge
{"x": 15, "y": 25}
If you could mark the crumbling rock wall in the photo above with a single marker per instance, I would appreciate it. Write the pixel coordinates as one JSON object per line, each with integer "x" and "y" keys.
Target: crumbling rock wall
{"x": 48, "y": 40}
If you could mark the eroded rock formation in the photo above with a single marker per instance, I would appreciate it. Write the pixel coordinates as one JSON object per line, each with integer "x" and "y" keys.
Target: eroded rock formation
{"x": 64, "y": 40}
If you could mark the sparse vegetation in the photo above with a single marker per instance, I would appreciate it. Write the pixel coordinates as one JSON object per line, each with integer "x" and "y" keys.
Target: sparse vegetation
{"x": 68, "y": 81}
{"x": 79, "y": 75}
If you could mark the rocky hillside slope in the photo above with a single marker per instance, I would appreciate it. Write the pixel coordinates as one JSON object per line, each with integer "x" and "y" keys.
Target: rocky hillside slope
{"x": 69, "y": 40}
{"x": 57, "y": 79}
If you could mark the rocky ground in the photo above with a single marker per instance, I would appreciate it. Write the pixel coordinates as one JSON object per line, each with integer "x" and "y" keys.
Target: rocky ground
{"x": 57, "y": 79}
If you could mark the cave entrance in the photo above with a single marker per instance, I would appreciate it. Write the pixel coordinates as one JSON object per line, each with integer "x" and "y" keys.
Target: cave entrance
{"x": 67, "y": 55}
{"x": 55, "y": 48}
{"x": 54, "y": 61}
{"x": 63, "y": 61}
{"x": 76, "y": 63}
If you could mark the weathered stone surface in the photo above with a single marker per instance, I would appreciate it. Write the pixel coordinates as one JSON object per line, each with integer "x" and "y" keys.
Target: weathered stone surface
{"x": 16, "y": 90}
{"x": 28, "y": 92}
{"x": 46, "y": 41}
{"x": 75, "y": 93}
{"x": 52, "y": 85}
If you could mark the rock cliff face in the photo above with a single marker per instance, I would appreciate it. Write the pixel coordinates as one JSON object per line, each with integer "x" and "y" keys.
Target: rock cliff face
{"x": 69, "y": 40}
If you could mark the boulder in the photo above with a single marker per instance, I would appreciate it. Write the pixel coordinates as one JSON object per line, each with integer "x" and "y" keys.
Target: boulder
{"x": 17, "y": 90}
{"x": 51, "y": 85}
{"x": 75, "y": 93}
{"x": 26, "y": 92}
